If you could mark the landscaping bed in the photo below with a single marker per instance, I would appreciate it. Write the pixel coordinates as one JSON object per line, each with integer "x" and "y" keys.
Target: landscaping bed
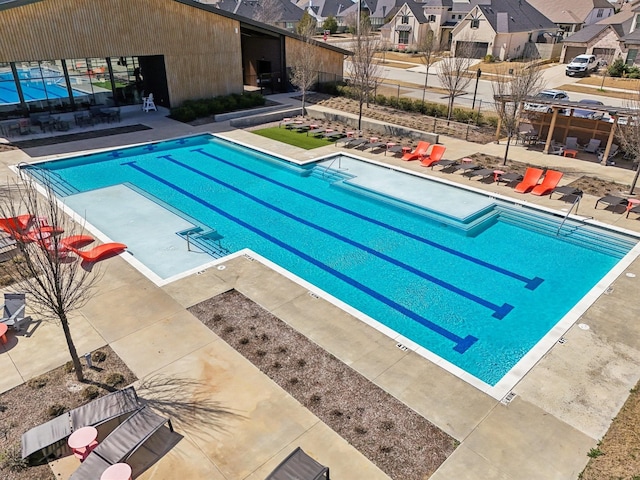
{"x": 47, "y": 396}
{"x": 399, "y": 441}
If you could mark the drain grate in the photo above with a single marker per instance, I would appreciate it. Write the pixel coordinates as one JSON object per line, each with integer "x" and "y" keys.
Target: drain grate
{"x": 402, "y": 347}
{"x": 313, "y": 295}
{"x": 249, "y": 257}
{"x": 508, "y": 398}
{"x": 562, "y": 340}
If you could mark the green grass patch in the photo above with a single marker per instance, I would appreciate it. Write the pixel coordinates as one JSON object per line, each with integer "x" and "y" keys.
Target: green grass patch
{"x": 290, "y": 137}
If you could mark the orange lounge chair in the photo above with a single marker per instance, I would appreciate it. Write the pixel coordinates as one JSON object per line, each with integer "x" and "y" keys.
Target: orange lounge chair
{"x": 420, "y": 151}
{"x": 99, "y": 252}
{"x": 436, "y": 155}
{"x": 17, "y": 224}
{"x": 530, "y": 180}
{"x": 65, "y": 244}
{"x": 550, "y": 181}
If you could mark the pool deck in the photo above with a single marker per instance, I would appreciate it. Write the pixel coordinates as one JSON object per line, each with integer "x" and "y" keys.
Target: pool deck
{"x": 562, "y": 407}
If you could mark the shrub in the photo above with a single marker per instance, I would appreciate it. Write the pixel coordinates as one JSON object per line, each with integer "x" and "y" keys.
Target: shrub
{"x": 380, "y": 99}
{"x": 183, "y": 114}
{"x": 11, "y": 459}
{"x": 68, "y": 367}
{"x": 595, "y": 453}
{"x": 99, "y": 356}
{"x": 633, "y": 72}
{"x": 406, "y": 104}
{"x": 489, "y": 58}
{"x": 618, "y": 68}
{"x": 56, "y": 410}
{"x": 114, "y": 379}
{"x": 90, "y": 392}
{"x": 37, "y": 382}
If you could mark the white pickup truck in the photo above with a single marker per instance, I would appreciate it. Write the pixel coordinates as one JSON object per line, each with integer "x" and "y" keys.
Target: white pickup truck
{"x": 582, "y": 65}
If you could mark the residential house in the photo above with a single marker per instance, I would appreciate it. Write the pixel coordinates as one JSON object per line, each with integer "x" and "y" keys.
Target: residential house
{"x": 286, "y": 16}
{"x": 506, "y": 29}
{"x": 572, "y": 16}
{"x": 617, "y": 36}
{"x": 406, "y": 28}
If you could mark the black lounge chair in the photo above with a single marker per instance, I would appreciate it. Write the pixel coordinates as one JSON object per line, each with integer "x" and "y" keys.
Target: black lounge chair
{"x": 375, "y": 145}
{"x": 465, "y": 167}
{"x": 358, "y": 142}
{"x": 479, "y": 172}
{"x": 120, "y": 444}
{"x": 316, "y": 131}
{"x": 612, "y": 201}
{"x": 299, "y": 465}
{"x": 334, "y": 135}
{"x": 509, "y": 178}
{"x": 567, "y": 193}
{"x": 395, "y": 149}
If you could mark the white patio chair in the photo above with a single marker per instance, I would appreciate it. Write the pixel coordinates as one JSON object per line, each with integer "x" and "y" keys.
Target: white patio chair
{"x": 148, "y": 104}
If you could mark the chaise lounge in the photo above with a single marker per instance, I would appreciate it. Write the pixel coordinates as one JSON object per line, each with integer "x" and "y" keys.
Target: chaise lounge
{"x": 437, "y": 152}
{"x": 99, "y": 252}
{"x": 549, "y": 183}
{"x": 420, "y": 151}
{"x": 530, "y": 180}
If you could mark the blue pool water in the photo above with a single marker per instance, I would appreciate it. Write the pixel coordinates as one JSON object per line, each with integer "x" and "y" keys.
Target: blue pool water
{"x": 33, "y": 88}
{"x": 479, "y": 291}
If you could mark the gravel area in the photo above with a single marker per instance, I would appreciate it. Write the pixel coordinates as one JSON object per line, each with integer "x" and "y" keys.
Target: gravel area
{"x": 399, "y": 441}
{"x": 47, "y": 396}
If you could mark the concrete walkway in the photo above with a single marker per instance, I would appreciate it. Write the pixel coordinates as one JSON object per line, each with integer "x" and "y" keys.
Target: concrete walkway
{"x": 562, "y": 407}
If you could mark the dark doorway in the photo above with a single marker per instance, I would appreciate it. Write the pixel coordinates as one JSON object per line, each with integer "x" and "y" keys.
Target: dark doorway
{"x": 154, "y": 79}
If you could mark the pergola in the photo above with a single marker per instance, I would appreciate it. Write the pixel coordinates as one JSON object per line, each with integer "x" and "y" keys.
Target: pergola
{"x": 557, "y": 124}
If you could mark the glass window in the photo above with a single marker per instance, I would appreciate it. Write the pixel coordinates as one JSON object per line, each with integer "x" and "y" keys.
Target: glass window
{"x": 475, "y": 23}
{"x": 405, "y": 19}
{"x": 8, "y": 89}
{"x": 637, "y": 21}
{"x": 600, "y": 12}
{"x": 403, "y": 38}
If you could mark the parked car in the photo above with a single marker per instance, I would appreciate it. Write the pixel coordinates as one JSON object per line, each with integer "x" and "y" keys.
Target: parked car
{"x": 546, "y": 95}
{"x": 580, "y": 113}
{"x": 581, "y": 66}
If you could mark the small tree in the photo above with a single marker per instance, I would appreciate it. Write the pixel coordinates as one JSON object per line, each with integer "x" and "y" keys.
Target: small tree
{"x": 306, "y": 24}
{"x": 510, "y": 92}
{"x": 427, "y": 47}
{"x": 268, "y": 11}
{"x": 365, "y": 73}
{"x": 629, "y": 134}
{"x": 331, "y": 24}
{"x": 304, "y": 60}
{"x": 55, "y": 285}
{"x": 454, "y": 73}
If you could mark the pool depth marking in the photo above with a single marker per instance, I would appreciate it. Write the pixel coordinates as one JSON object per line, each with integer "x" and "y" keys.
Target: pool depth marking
{"x": 530, "y": 283}
{"x": 499, "y": 311}
{"x": 461, "y": 344}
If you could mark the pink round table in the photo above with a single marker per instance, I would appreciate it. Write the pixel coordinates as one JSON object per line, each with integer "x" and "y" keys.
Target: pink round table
{"x": 119, "y": 471}
{"x": 82, "y": 438}
{"x": 632, "y": 202}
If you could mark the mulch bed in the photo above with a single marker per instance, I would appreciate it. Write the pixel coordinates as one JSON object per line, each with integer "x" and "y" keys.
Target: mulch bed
{"x": 47, "y": 396}
{"x": 74, "y": 137}
{"x": 399, "y": 441}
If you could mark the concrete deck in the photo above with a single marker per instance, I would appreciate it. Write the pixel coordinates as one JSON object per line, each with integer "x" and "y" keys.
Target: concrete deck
{"x": 563, "y": 406}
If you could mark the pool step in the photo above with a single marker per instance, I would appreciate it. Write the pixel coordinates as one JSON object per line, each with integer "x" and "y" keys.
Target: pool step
{"x": 60, "y": 187}
{"x": 572, "y": 231}
{"x": 206, "y": 240}
{"x": 330, "y": 175}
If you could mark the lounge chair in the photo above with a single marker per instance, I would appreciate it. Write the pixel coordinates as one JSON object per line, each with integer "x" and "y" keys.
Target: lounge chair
{"x": 357, "y": 142}
{"x": 13, "y": 310}
{"x": 18, "y": 224}
{"x": 635, "y": 209}
{"x": 567, "y": 193}
{"x": 49, "y": 440}
{"x": 99, "y": 252}
{"x": 509, "y": 177}
{"x": 316, "y": 131}
{"x": 530, "y": 180}
{"x": 437, "y": 152}
{"x": 571, "y": 143}
{"x": 613, "y": 151}
{"x": 420, "y": 151}
{"x": 549, "y": 183}
{"x": 556, "y": 148}
{"x": 333, "y": 135}
{"x": 299, "y": 465}
{"x": 466, "y": 167}
{"x": 375, "y": 145}
{"x": 593, "y": 146}
{"x": 65, "y": 244}
{"x": 345, "y": 140}
{"x": 612, "y": 201}
{"x": 480, "y": 172}
{"x": 120, "y": 444}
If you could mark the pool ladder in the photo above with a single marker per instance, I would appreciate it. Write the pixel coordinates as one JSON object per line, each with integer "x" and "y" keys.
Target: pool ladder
{"x": 339, "y": 159}
{"x": 575, "y": 203}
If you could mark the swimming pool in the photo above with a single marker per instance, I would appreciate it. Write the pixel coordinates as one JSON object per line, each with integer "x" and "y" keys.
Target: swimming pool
{"x": 474, "y": 280}
{"x": 34, "y": 88}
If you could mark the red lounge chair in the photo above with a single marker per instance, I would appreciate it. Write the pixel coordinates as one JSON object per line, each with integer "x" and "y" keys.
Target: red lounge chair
{"x": 436, "y": 155}
{"x": 550, "y": 181}
{"x": 530, "y": 180}
{"x": 420, "y": 151}
{"x": 67, "y": 243}
{"x": 17, "y": 224}
{"x": 99, "y": 252}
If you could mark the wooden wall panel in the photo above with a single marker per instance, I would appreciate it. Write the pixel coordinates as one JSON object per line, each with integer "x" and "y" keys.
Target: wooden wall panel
{"x": 201, "y": 49}
{"x": 330, "y": 61}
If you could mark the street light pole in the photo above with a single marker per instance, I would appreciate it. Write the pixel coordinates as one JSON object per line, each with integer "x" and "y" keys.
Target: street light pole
{"x": 473, "y": 105}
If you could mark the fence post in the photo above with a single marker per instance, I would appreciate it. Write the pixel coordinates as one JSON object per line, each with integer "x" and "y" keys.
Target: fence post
{"x": 435, "y": 120}
{"x": 466, "y": 137}
{"x": 398, "y": 93}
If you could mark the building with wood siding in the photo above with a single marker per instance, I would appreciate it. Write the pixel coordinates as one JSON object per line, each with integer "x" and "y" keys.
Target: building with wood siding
{"x": 66, "y": 54}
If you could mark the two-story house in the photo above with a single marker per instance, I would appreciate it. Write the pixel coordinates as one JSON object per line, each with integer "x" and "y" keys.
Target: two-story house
{"x": 570, "y": 17}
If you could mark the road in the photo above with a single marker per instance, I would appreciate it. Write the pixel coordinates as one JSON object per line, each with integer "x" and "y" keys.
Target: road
{"x": 553, "y": 77}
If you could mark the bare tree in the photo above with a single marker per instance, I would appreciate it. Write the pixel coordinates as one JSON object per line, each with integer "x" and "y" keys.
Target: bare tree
{"x": 428, "y": 46}
{"x": 364, "y": 71}
{"x": 509, "y": 93}
{"x": 304, "y": 60}
{"x": 268, "y": 11}
{"x": 629, "y": 133}
{"x": 56, "y": 285}
{"x": 454, "y": 73}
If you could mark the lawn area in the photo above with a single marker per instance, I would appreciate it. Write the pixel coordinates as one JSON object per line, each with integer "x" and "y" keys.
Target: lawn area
{"x": 290, "y": 137}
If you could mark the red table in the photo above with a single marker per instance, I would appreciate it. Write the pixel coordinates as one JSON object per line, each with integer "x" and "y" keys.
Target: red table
{"x": 83, "y": 441}
{"x": 497, "y": 174}
{"x": 3, "y": 331}
{"x": 569, "y": 153}
{"x": 118, "y": 471}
